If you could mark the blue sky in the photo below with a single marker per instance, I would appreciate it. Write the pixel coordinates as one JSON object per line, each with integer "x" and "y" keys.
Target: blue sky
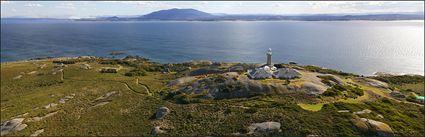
{"x": 82, "y": 9}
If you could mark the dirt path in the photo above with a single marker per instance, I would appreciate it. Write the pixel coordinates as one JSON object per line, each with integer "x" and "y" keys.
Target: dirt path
{"x": 145, "y": 86}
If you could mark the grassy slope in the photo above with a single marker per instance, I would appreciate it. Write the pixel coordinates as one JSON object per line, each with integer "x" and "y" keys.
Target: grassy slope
{"x": 129, "y": 112}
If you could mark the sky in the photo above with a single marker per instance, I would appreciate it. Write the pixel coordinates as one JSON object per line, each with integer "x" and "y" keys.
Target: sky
{"x": 84, "y": 9}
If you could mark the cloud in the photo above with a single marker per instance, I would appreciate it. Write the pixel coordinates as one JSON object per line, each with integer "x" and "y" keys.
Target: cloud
{"x": 363, "y": 6}
{"x": 151, "y": 4}
{"x": 66, "y": 6}
{"x": 6, "y": 2}
{"x": 33, "y": 5}
{"x": 278, "y": 5}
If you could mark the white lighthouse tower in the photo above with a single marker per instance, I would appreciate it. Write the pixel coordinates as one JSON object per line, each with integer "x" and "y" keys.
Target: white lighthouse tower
{"x": 269, "y": 57}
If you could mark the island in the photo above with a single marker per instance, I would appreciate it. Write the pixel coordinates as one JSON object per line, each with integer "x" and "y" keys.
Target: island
{"x": 134, "y": 96}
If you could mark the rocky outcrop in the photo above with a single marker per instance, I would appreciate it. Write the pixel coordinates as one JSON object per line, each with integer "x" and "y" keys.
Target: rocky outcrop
{"x": 204, "y": 71}
{"x": 313, "y": 88}
{"x": 181, "y": 80}
{"x": 161, "y": 112}
{"x": 379, "y": 128}
{"x": 12, "y": 125}
{"x": 365, "y": 111}
{"x": 286, "y": 73}
{"x": 376, "y": 83}
{"x": 230, "y": 85}
{"x": 264, "y": 127}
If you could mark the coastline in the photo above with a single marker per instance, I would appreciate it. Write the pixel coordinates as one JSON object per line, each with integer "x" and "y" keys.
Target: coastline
{"x": 378, "y": 73}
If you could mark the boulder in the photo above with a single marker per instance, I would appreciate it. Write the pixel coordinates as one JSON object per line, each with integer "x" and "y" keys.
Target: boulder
{"x": 156, "y": 130}
{"x": 161, "y": 112}
{"x": 369, "y": 125}
{"x": 264, "y": 127}
{"x": 62, "y": 100}
{"x": 383, "y": 130}
{"x": 85, "y": 66}
{"x": 50, "y": 105}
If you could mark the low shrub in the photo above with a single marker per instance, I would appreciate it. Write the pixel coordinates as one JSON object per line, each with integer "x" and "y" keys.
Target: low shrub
{"x": 137, "y": 72}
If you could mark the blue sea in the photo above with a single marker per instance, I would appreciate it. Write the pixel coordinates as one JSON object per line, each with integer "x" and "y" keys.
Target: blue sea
{"x": 361, "y": 47}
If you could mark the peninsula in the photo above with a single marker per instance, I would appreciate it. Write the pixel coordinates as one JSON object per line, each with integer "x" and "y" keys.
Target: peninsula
{"x": 133, "y": 96}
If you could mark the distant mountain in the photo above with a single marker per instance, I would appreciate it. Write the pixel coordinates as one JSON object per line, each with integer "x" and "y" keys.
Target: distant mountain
{"x": 196, "y": 15}
{"x": 177, "y": 14}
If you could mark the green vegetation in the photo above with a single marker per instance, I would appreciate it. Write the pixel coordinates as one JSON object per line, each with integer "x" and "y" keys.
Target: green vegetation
{"x": 140, "y": 91}
{"x": 311, "y": 107}
{"x": 401, "y": 117}
{"x": 65, "y": 61}
{"x": 405, "y": 83}
{"x": 403, "y": 79}
{"x": 326, "y": 71}
{"x": 347, "y": 91}
{"x": 327, "y": 80}
{"x": 137, "y": 72}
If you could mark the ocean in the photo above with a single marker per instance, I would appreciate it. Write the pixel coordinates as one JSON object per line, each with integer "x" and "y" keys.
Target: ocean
{"x": 361, "y": 47}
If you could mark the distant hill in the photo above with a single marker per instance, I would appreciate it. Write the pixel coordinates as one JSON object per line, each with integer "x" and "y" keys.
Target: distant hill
{"x": 177, "y": 14}
{"x": 196, "y": 15}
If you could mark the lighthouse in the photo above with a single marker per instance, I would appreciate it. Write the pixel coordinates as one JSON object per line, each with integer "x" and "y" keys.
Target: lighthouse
{"x": 269, "y": 57}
